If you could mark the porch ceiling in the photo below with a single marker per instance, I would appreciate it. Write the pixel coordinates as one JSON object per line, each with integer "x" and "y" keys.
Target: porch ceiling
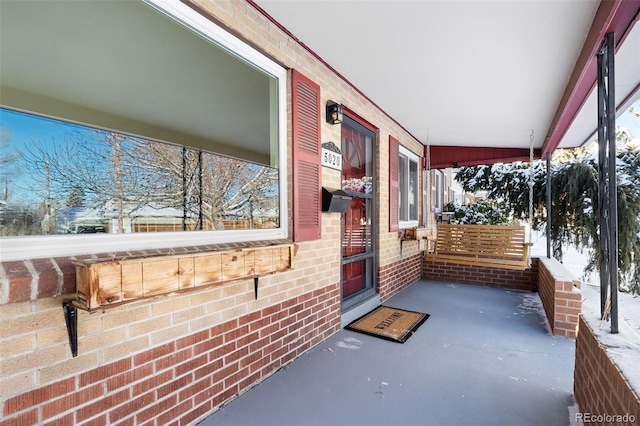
{"x": 473, "y": 73}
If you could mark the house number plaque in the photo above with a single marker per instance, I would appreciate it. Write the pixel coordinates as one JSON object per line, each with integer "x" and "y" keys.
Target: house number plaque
{"x": 331, "y": 156}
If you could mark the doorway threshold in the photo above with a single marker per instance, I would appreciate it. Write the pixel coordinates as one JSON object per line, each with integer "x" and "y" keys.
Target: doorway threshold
{"x": 359, "y": 310}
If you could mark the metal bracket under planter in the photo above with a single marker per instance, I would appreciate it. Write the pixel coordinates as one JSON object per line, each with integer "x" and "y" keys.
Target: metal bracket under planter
{"x": 71, "y": 319}
{"x": 255, "y": 287}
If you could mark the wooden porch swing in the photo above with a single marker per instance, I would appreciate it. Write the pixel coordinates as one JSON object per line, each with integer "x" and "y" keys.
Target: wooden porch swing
{"x": 494, "y": 246}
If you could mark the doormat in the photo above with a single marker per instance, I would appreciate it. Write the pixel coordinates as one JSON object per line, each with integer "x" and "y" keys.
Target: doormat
{"x": 388, "y": 323}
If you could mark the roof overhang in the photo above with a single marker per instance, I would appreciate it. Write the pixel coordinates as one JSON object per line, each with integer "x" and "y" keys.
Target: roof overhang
{"x": 442, "y": 157}
{"x": 619, "y": 17}
{"x": 475, "y": 74}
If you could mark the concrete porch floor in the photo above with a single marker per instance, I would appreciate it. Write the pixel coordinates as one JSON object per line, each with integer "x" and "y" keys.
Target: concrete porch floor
{"x": 484, "y": 357}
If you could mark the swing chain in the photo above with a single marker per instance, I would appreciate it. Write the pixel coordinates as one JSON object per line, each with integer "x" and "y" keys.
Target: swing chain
{"x": 531, "y": 185}
{"x": 429, "y": 222}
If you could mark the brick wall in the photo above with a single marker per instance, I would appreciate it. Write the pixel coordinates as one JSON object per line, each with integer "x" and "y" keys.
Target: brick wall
{"x": 561, "y": 297}
{"x": 393, "y": 278}
{"x": 183, "y": 379}
{"x": 599, "y": 387}
{"x": 526, "y": 280}
{"x": 175, "y": 357}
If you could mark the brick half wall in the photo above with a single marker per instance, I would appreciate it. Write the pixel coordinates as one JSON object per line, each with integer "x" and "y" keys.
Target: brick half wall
{"x": 399, "y": 275}
{"x": 526, "y": 280}
{"x": 561, "y": 297}
{"x": 599, "y": 386}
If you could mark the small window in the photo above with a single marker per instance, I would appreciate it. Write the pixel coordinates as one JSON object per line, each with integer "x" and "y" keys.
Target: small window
{"x": 437, "y": 191}
{"x": 409, "y": 188}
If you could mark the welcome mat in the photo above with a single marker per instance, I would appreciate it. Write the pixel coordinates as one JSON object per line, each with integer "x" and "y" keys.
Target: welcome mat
{"x": 388, "y": 323}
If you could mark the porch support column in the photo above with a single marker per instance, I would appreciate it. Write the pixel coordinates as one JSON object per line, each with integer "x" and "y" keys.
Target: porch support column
{"x": 607, "y": 190}
{"x": 548, "y": 158}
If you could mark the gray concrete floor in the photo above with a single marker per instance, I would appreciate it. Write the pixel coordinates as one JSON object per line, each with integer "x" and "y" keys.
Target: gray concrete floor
{"x": 484, "y": 357}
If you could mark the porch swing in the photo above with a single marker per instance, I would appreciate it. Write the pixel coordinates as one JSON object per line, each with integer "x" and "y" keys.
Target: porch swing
{"x": 494, "y": 246}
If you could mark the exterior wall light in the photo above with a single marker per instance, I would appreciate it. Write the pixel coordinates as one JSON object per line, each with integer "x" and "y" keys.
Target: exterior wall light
{"x": 334, "y": 112}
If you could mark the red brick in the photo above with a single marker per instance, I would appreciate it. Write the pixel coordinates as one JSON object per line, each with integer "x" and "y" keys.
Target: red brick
{"x": 193, "y": 339}
{"x": 573, "y": 296}
{"x": 103, "y": 405}
{"x": 271, "y": 310}
{"x": 285, "y": 322}
{"x": 68, "y": 270}
{"x": 220, "y": 352}
{"x": 303, "y": 314}
{"x": 271, "y": 329}
{"x": 194, "y": 388}
{"x": 191, "y": 365}
{"x": 225, "y": 372}
{"x": 235, "y": 355}
{"x": 154, "y": 353}
{"x": 70, "y": 401}
{"x": 174, "y": 413}
{"x": 207, "y": 369}
{"x": 38, "y": 396}
{"x": 154, "y": 410}
{"x": 199, "y": 411}
{"x": 62, "y": 421}
{"x": 28, "y": 418}
{"x": 98, "y": 421}
{"x": 131, "y": 421}
{"x": 105, "y": 372}
{"x": 287, "y": 358}
{"x": 222, "y": 329}
{"x": 559, "y": 318}
{"x": 245, "y": 362}
{"x": 173, "y": 386}
{"x": 152, "y": 382}
{"x": 247, "y": 339}
{"x": 207, "y": 345}
{"x": 249, "y": 381}
{"x": 131, "y": 407}
{"x": 47, "y": 277}
{"x": 19, "y": 279}
{"x": 236, "y": 333}
{"x": 217, "y": 391}
{"x": 128, "y": 377}
{"x": 16, "y": 270}
{"x": 173, "y": 359}
{"x": 250, "y": 318}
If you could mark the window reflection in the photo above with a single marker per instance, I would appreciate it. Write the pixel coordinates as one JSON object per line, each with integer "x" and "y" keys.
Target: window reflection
{"x": 62, "y": 178}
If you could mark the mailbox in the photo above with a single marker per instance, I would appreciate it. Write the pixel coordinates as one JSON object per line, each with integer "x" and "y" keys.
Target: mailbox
{"x": 335, "y": 200}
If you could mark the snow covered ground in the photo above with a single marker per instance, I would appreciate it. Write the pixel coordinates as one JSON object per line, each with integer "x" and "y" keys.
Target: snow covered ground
{"x": 624, "y": 347}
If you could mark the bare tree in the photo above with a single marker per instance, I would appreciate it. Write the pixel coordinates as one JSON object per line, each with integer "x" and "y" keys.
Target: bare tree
{"x": 123, "y": 174}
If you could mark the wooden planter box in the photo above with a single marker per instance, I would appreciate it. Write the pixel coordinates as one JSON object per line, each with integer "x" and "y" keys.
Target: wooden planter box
{"x": 101, "y": 284}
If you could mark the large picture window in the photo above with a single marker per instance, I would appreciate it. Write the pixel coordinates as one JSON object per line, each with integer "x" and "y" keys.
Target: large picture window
{"x": 132, "y": 137}
{"x": 409, "y": 178}
{"x": 71, "y": 179}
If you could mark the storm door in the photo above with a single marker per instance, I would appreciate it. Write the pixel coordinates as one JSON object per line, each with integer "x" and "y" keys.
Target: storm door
{"x": 358, "y": 246}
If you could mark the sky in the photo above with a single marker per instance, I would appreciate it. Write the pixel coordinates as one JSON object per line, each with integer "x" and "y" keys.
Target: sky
{"x": 630, "y": 120}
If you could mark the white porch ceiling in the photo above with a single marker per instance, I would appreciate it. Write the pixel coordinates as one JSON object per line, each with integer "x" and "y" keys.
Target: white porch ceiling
{"x": 460, "y": 73}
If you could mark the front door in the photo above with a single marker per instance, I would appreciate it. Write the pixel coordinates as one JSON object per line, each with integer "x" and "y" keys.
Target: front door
{"x": 358, "y": 247}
